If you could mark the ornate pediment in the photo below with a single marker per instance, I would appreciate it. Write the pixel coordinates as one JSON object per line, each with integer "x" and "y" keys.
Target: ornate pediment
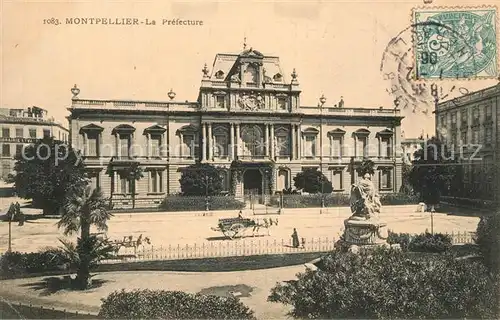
{"x": 336, "y": 132}
{"x": 251, "y": 53}
{"x": 91, "y": 127}
{"x": 250, "y": 101}
{"x": 123, "y": 128}
{"x": 385, "y": 132}
{"x": 219, "y": 93}
{"x": 155, "y": 129}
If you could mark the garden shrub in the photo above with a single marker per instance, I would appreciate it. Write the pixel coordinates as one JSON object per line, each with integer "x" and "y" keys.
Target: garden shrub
{"x": 488, "y": 239}
{"x": 17, "y": 263}
{"x": 403, "y": 239}
{"x": 398, "y": 199}
{"x": 186, "y": 203}
{"x": 425, "y": 242}
{"x": 390, "y": 284}
{"x": 159, "y": 304}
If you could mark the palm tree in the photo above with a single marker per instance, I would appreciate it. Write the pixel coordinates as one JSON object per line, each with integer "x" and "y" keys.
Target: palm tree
{"x": 84, "y": 208}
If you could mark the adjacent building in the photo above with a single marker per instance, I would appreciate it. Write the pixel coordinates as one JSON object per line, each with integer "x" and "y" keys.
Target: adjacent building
{"x": 248, "y": 113}
{"x": 469, "y": 126}
{"x": 409, "y": 147}
{"x": 20, "y": 127}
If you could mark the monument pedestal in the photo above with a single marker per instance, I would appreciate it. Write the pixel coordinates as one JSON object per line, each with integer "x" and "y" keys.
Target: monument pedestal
{"x": 362, "y": 234}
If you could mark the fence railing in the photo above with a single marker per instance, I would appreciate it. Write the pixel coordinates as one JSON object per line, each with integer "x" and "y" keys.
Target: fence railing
{"x": 16, "y": 310}
{"x": 223, "y": 249}
{"x": 242, "y": 247}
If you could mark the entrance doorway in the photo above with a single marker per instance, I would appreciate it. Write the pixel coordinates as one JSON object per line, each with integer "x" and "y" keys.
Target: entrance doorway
{"x": 252, "y": 186}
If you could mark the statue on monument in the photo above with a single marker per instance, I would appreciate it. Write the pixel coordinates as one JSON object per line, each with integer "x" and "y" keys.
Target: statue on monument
{"x": 365, "y": 199}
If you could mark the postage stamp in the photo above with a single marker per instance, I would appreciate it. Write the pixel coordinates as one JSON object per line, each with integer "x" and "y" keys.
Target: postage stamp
{"x": 455, "y": 43}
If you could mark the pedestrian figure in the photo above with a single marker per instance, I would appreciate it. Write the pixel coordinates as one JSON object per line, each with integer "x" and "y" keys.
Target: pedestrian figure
{"x": 295, "y": 238}
{"x": 240, "y": 214}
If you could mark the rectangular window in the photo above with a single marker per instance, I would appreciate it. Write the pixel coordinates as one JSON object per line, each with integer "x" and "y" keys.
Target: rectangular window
{"x": 220, "y": 146}
{"x": 454, "y": 139}
{"x": 188, "y": 145}
{"x": 337, "y": 147}
{"x": 33, "y": 133}
{"x": 19, "y": 149}
{"x": 475, "y": 115}
{"x": 125, "y": 185}
{"x": 155, "y": 145}
{"x": 385, "y": 179}
{"x": 19, "y": 132}
{"x": 464, "y": 138}
{"x": 125, "y": 146}
{"x": 310, "y": 146}
{"x": 156, "y": 182}
{"x": 488, "y": 135}
{"x": 92, "y": 144}
{"x": 454, "y": 119}
{"x": 475, "y": 136}
{"x": 361, "y": 146}
{"x": 337, "y": 181}
{"x": 6, "y": 132}
{"x": 282, "y": 105}
{"x": 220, "y": 101}
{"x": 6, "y": 150}
{"x": 464, "y": 117}
{"x": 46, "y": 133}
{"x": 94, "y": 180}
{"x": 488, "y": 112}
{"x": 385, "y": 147}
{"x": 283, "y": 146}
{"x": 442, "y": 121}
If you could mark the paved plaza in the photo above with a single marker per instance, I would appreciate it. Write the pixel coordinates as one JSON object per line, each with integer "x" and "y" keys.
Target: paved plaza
{"x": 194, "y": 228}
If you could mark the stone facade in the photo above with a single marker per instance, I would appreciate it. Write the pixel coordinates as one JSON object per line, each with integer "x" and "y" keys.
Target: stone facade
{"x": 246, "y": 110}
{"x": 20, "y": 127}
{"x": 469, "y": 126}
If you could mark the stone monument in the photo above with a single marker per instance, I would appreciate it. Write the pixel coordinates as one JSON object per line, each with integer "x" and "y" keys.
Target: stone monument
{"x": 364, "y": 229}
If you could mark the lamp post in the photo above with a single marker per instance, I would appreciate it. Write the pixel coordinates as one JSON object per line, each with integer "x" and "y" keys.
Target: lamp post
{"x": 322, "y": 101}
{"x": 394, "y": 137}
{"x": 207, "y": 202}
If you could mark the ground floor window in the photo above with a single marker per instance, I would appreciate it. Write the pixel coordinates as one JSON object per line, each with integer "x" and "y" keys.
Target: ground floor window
{"x": 385, "y": 179}
{"x": 156, "y": 181}
{"x": 337, "y": 179}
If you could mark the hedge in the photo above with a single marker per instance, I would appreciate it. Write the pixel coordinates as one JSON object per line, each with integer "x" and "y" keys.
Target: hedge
{"x": 159, "y": 304}
{"x": 185, "y": 203}
{"x": 17, "y": 263}
{"x": 488, "y": 240}
{"x": 425, "y": 242}
{"x": 337, "y": 200}
{"x": 390, "y": 284}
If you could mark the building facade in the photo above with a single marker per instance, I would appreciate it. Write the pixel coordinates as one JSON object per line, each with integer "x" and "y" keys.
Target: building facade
{"x": 409, "y": 147}
{"x": 24, "y": 126}
{"x": 469, "y": 126}
{"x": 246, "y": 113}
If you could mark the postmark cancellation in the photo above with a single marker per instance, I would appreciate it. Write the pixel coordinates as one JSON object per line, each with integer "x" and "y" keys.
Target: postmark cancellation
{"x": 455, "y": 43}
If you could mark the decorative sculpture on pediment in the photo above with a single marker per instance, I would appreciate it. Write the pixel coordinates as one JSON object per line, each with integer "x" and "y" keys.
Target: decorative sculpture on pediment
{"x": 267, "y": 79}
{"x": 236, "y": 76}
{"x": 250, "y": 102}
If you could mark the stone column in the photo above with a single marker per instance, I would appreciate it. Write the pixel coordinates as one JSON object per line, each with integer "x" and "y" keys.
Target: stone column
{"x": 300, "y": 143}
{"x": 238, "y": 143}
{"x": 118, "y": 146}
{"x": 204, "y": 141}
{"x": 294, "y": 143}
{"x": 210, "y": 143}
{"x": 267, "y": 140}
{"x": 273, "y": 145}
{"x": 149, "y": 151}
{"x": 231, "y": 141}
{"x": 85, "y": 146}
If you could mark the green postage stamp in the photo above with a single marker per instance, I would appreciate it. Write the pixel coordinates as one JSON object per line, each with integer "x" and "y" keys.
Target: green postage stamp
{"x": 455, "y": 43}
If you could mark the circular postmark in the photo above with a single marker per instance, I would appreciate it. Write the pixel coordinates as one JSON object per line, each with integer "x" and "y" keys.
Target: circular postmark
{"x": 399, "y": 70}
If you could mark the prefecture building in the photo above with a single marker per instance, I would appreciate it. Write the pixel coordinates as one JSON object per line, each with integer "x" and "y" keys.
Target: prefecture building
{"x": 248, "y": 111}
{"x": 469, "y": 126}
{"x": 24, "y": 126}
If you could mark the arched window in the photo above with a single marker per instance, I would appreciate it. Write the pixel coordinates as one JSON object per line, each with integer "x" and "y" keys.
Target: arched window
{"x": 250, "y": 75}
{"x": 283, "y": 180}
{"x": 253, "y": 142}
{"x": 221, "y": 142}
{"x": 282, "y": 142}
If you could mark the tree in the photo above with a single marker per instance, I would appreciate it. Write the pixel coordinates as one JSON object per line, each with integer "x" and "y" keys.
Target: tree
{"x": 133, "y": 173}
{"x": 311, "y": 180}
{"x": 434, "y": 168}
{"x": 201, "y": 179}
{"x": 46, "y": 172}
{"x": 84, "y": 208}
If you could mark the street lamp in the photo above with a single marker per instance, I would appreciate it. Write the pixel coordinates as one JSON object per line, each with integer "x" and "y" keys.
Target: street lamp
{"x": 207, "y": 202}
{"x": 322, "y": 101}
{"x": 394, "y": 137}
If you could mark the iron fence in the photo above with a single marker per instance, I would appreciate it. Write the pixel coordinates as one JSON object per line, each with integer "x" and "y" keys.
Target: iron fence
{"x": 242, "y": 247}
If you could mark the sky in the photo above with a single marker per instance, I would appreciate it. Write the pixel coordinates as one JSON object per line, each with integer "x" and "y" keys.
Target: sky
{"x": 336, "y": 48}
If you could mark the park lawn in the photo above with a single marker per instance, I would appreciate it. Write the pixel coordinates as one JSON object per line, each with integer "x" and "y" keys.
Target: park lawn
{"x": 40, "y": 290}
